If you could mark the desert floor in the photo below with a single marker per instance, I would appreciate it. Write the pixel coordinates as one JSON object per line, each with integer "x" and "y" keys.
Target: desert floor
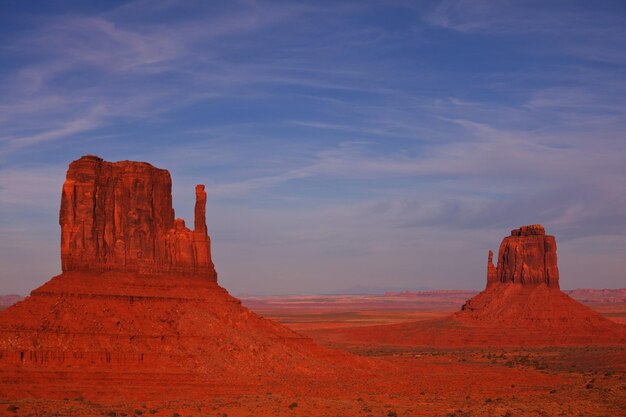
{"x": 409, "y": 381}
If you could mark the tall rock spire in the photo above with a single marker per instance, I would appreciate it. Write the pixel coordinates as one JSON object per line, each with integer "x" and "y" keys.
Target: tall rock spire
{"x": 200, "y": 211}
{"x": 492, "y": 272}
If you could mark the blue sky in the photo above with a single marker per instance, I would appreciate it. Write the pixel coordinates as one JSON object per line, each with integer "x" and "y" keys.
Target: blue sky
{"x": 378, "y": 144}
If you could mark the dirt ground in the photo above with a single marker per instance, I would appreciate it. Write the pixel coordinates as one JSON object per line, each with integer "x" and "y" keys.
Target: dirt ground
{"x": 404, "y": 381}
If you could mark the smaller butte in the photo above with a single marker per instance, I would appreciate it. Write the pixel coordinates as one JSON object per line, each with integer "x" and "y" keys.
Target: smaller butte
{"x": 522, "y": 305}
{"x": 527, "y": 257}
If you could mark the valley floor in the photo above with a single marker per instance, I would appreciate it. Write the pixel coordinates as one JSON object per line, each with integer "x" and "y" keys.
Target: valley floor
{"x": 407, "y": 381}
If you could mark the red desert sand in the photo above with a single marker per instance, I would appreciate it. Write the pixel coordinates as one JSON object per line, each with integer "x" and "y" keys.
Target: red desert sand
{"x": 137, "y": 325}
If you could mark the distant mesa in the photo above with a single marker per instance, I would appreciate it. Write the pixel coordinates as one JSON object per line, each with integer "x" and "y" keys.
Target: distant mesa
{"x": 9, "y": 299}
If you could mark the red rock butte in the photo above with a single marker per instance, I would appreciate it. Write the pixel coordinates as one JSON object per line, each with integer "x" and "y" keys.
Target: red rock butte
{"x": 522, "y": 305}
{"x": 119, "y": 217}
{"x": 137, "y": 311}
{"x": 527, "y": 257}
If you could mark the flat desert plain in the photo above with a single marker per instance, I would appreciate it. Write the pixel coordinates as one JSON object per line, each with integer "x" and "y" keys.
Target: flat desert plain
{"x": 404, "y": 380}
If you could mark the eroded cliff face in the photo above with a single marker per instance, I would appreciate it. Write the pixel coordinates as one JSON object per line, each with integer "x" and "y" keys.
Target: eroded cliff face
{"x": 119, "y": 217}
{"x": 527, "y": 257}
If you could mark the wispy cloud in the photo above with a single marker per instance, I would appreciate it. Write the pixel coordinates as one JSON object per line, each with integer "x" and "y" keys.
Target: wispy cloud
{"x": 86, "y": 123}
{"x": 574, "y": 28}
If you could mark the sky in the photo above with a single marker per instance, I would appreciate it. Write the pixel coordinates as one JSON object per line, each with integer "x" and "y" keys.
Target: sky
{"x": 346, "y": 146}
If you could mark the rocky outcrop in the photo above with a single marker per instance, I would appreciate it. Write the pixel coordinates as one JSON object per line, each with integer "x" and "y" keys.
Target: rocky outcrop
{"x": 527, "y": 257}
{"x": 119, "y": 217}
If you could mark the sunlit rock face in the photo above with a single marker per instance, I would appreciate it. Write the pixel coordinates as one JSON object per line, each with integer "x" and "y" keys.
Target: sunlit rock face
{"x": 118, "y": 216}
{"x": 527, "y": 257}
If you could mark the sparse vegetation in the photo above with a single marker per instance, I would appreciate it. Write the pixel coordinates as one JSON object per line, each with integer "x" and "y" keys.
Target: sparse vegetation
{"x": 293, "y": 405}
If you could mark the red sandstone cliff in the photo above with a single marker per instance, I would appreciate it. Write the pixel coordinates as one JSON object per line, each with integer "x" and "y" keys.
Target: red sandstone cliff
{"x": 527, "y": 257}
{"x": 119, "y": 217}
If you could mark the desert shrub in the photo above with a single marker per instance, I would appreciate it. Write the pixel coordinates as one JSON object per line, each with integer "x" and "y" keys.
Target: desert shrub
{"x": 392, "y": 414}
{"x": 12, "y": 408}
{"x": 293, "y": 405}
